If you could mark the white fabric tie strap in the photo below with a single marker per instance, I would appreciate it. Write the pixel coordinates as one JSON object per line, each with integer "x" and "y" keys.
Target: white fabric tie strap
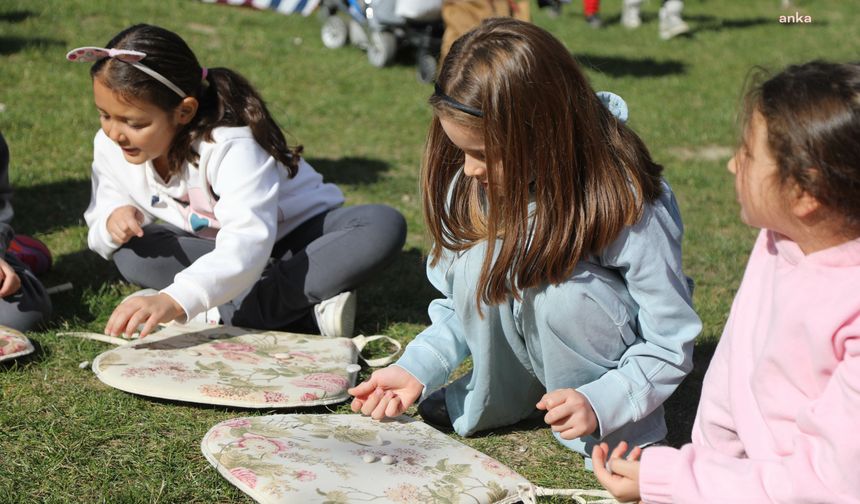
{"x": 97, "y": 337}
{"x": 361, "y": 341}
{"x": 528, "y": 494}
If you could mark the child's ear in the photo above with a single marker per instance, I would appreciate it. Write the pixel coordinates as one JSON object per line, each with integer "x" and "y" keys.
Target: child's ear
{"x": 186, "y": 110}
{"x": 805, "y": 205}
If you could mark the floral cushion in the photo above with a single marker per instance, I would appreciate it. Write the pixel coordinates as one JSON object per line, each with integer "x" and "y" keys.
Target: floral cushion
{"x": 232, "y": 366}
{"x": 13, "y": 344}
{"x": 351, "y": 458}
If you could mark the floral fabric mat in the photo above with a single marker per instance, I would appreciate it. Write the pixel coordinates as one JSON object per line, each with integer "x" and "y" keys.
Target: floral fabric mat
{"x": 352, "y": 458}
{"x": 13, "y": 344}
{"x": 233, "y": 367}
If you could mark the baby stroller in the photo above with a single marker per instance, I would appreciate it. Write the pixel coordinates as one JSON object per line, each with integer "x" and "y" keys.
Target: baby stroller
{"x": 381, "y": 27}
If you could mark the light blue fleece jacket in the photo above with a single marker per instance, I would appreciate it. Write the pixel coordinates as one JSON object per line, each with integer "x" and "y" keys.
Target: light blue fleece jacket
{"x": 620, "y": 331}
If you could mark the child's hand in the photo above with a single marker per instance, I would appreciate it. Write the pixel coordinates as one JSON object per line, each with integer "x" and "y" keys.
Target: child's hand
{"x": 10, "y": 283}
{"x": 621, "y": 478}
{"x": 388, "y": 393}
{"x": 146, "y": 310}
{"x": 124, "y": 223}
{"x": 569, "y": 413}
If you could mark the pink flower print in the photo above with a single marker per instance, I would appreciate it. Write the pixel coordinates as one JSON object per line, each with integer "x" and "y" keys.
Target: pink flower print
{"x": 304, "y": 475}
{"x": 241, "y": 357}
{"x": 275, "y": 397}
{"x": 262, "y": 444}
{"x": 223, "y": 392}
{"x": 404, "y": 492}
{"x": 10, "y": 348}
{"x": 228, "y": 346}
{"x": 496, "y": 468}
{"x": 245, "y": 475}
{"x": 309, "y": 396}
{"x": 302, "y": 356}
{"x": 328, "y": 382}
{"x": 237, "y": 423}
{"x": 175, "y": 370}
{"x": 409, "y": 461}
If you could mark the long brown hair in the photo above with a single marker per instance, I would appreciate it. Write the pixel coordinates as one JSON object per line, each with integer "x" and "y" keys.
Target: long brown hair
{"x": 548, "y": 139}
{"x": 812, "y": 112}
{"x": 226, "y": 98}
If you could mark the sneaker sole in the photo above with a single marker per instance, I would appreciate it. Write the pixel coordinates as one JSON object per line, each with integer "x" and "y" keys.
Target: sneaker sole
{"x": 345, "y": 305}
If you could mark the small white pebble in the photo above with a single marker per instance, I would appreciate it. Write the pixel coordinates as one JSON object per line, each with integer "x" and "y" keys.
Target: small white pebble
{"x": 85, "y": 364}
{"x": 353, "y": 368}
{"x": 369, "y": 458}
{"x": 387, "y": 459}
{"x": 297, "y": 40}
{"x": 522, "y": 449}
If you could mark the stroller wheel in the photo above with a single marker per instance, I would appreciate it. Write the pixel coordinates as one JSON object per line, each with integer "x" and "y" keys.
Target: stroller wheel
{"x": 357, "y": 34}
{"x": 334, "y": 32}
{"x": 381, "y": 48}
{"x": 426, "y": 68}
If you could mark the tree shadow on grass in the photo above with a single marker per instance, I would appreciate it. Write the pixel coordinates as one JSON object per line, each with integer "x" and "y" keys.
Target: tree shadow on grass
{"x": 350, "y": 170}
{"x": 617, "y": 66}
{"x": 16, "y": 16}
{"x": 12, "y": 45}
{"x": 681, "y": 407}
{"x": 400, "y": 293}
{"x": 89, "y": 274}
{"x": 47, "y": 207}
{"x": 704, "y": 23}
{"x": 238, "y": 410}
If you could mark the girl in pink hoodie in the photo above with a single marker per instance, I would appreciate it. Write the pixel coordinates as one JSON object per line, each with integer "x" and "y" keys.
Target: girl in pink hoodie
{"x": 780, "y": 406}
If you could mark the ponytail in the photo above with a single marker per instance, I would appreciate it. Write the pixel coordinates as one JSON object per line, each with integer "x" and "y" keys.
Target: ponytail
{"x": 228, "y": 99}
{"x": 225, "y": 97}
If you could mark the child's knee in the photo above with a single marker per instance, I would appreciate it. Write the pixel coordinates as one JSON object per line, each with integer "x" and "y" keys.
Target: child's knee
{"x": 590, "y": 316}
{"x": 393, "y": 226}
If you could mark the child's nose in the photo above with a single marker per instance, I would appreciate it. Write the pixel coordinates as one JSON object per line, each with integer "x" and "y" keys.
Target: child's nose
{"x": 732, "y": 166}
{"x": 473, "y": 168}
{"x": 114, "y": 132}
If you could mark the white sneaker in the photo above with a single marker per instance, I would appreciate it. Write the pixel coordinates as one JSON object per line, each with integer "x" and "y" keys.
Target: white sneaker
{"x": 335, "y": 316}
{"x": 671, "y": 23}
{"x": 630, "y": 14}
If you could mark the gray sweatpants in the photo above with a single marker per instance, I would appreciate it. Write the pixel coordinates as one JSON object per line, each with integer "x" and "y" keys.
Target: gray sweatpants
{"x": 333, "y": 252}
{"x": 25, "y": 309}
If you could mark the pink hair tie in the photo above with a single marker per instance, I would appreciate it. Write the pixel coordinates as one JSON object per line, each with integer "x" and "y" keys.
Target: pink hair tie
{"x": 205, "y": 72}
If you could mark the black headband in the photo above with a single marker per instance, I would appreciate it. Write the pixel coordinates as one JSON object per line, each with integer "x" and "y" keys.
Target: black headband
{"x": 457, "y": 105}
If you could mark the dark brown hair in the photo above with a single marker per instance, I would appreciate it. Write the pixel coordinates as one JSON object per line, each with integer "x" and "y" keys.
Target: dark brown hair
{"x": 548, "y": 139}
{"x": 812, "y": 112}
{"x": 226, "y": 98}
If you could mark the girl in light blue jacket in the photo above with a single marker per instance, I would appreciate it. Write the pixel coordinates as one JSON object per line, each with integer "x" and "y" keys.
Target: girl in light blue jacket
{"x": 557, "y": 248}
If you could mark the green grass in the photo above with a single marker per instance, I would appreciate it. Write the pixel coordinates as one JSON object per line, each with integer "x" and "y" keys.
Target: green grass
{"x": 68, "y": 438}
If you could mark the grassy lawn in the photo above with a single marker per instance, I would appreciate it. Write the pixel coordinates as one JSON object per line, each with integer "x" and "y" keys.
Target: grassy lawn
{"x": 66, "y": 437}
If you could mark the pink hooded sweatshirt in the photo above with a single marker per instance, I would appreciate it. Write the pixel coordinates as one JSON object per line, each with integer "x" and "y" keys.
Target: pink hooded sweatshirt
{"x": 779, "y": 417}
